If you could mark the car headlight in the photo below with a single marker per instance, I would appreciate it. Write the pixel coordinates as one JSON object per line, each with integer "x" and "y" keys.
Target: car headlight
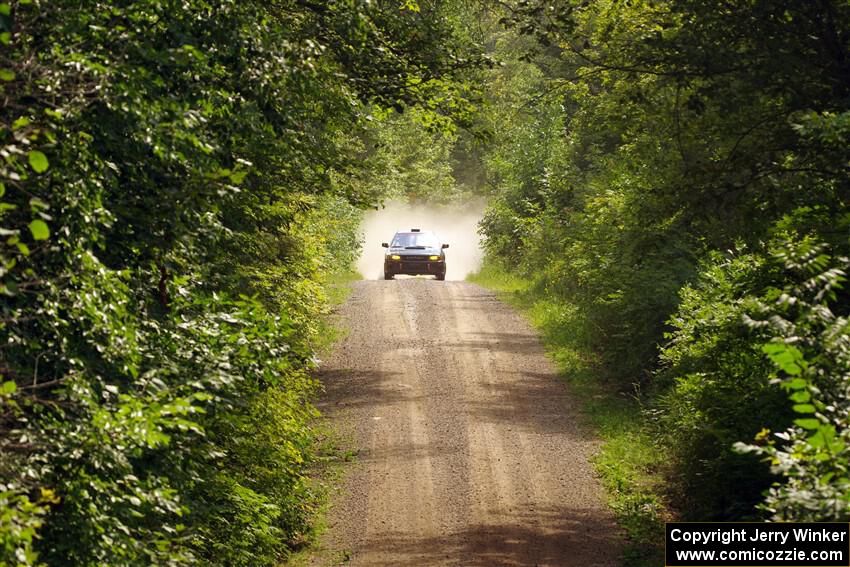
{"x": 395, "y": 257}
{"x": 433, "y": 257}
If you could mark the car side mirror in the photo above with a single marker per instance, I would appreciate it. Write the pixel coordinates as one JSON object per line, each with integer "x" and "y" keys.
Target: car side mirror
{"x": 385, "y": 245}
{"x": 445, "y": 245}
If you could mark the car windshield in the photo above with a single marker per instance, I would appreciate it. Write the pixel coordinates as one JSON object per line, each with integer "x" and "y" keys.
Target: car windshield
{"x": 415, "y": 240}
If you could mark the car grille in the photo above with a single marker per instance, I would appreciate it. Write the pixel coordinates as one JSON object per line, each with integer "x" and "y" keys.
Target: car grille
{"x": 413, "y": 264}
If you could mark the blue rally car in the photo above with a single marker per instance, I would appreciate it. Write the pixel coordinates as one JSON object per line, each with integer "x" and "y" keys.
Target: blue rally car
{"x": 415, "y": 252}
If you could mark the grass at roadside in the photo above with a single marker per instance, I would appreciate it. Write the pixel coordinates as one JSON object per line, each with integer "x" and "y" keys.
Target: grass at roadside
{"x": 332, "y": 451}
{"x": 337, "y": 289}
{"x": 338, "y": 286}
{"x": 629, "y": 462}
{"x": 329, "y": 469}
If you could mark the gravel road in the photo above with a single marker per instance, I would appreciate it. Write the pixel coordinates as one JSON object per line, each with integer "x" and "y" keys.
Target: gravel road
{"x": 470, "y": 453}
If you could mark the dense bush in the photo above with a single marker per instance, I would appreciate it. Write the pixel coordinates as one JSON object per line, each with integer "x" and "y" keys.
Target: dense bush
{"x": 716, "y": 389}
{"x": 648, "y": 161}
{"x": 176, "y": 182}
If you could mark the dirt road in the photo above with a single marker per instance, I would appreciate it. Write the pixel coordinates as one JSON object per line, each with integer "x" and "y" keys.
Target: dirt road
{"x": 470, "y": 451}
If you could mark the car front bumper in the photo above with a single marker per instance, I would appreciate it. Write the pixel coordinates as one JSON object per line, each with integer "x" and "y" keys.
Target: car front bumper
{"x": 414, "y": 267}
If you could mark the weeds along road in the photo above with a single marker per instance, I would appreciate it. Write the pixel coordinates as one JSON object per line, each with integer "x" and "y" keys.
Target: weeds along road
{"x": 469, "y": 448}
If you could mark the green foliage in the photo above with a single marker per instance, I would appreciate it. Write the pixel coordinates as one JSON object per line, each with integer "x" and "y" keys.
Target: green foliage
{"x": 808, "y": 327}
{"x": 646, "y": 158}
{"x": 175, "y": 187}
{"x": 265, "y": 485}
{"x": 413, "y": 161}
{"x": 717, "y": 389}
{"x": 20, "y": 521}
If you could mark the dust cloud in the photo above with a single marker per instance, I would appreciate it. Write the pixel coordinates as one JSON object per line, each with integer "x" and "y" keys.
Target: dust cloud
{"x": 456, "y": 226}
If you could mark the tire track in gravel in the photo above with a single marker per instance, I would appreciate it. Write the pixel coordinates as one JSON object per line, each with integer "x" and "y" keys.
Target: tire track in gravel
{"x": 470, "y": 453}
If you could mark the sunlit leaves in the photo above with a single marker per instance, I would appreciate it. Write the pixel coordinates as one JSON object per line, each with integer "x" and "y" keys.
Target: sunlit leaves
{"x": 38, "y": 161}
{"x": 810, "y": 351}
{"x": 787, "y": 357}
{"x": 38, "y": 229}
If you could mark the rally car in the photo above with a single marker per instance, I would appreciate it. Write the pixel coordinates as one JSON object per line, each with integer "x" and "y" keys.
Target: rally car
{"x": 415, "y": 252}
